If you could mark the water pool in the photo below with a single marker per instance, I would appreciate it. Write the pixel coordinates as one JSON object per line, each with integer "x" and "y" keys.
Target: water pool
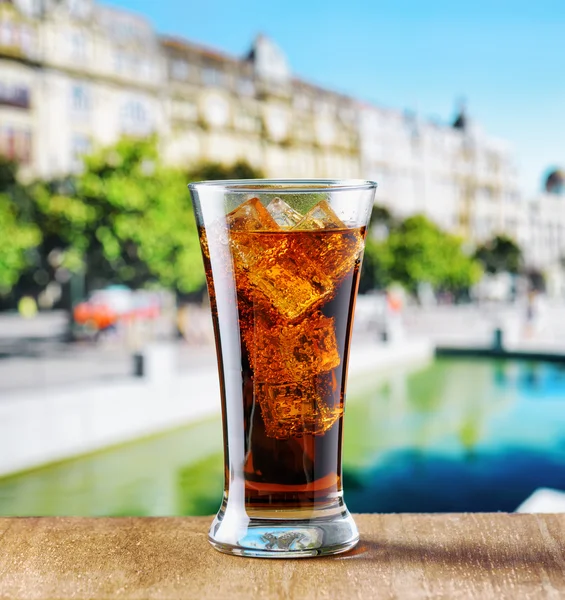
{"x": 456, "y": 435}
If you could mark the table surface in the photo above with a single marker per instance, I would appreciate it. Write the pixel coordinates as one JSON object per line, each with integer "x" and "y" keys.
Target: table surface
{"x": 400, "y": 556}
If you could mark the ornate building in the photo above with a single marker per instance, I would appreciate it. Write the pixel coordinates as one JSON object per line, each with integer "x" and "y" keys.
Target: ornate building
{"x": 458, "y": 176}
{"x": 84, "y": 74}
{"x": 75, "y": 74}
{"x": 544, "y": 222}
{"x": 222, "y": 108}
{"x": 19, "y": 58}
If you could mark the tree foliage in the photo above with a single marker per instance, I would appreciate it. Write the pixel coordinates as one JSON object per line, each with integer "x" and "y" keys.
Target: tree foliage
{"x": 127, "y": 218}
{"x": 418, "y": 251}
{"x": 210, "y": 171}
{"x": 422, "y": 252}
{"x": 499, "y": 255}
{"x": 18, "y": 234}
{"x": 377, "y": 261}
{"x": 381, "y": 217}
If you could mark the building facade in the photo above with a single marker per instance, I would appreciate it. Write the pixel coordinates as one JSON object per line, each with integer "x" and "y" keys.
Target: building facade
{"x": 544, "y": 222}
{"x": 19, "y": 60}
{"x": 462, "y": 179}
{"x": 75, "y": 75}
{"x": 221, "y": 108}
{"x": 84, "y": 75}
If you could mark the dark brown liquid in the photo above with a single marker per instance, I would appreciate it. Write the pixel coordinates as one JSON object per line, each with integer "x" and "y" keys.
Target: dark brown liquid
{"x": 292, "y": 293}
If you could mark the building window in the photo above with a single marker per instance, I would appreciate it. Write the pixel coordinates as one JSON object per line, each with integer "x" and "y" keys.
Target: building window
{"x": 80, "y": 146}
{"x": 246, "y": 121}
{"x": 26, "y": 39}
{"x": 79, "y": 8}
{"x": 493, "y": 162}
{"x": 324, "y": 107}
{"x": 135, "y": 66}
{"x": 119, "y": 61}
{"x": 346, "y": 114}
{"x": 132, "y": 65}
{"x": 135, "y": 118}
{"x": 16, "y": 36}
{"x": 80, "y": 101}
{"x": 301, "y": 102}
{"x": 14, "y": 95}
{"x": 135, "y": 112}
{"x": 78, "y": 46}
{"x": 487, "y": 192}
{"x": 180, "y": 70}
{"x": 184, "y": 110}
{"x": 7, "y": 143}
{"x": 15, "y": 144}
{"x": 23, "y": 146}
{"x": 7, "y": 37}
{"x": 212, "y": 76}
{"x": 245, "y": 86}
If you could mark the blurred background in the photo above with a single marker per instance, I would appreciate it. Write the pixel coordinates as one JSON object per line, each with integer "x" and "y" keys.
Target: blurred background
{"x": 109, "y": 401}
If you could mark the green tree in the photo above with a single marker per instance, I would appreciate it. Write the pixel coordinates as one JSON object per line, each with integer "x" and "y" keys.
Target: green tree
{"x": 377, "y": 260}
{"x": 501, "y": 254}
{"x": 210, "y": 171}
{"x": 381, "y": 216}
{"x": 375, "y": 273}
{"x": 422, "y": 252}
{"x": 18, "y": 235}
{"x": 128, "y": 218}
{"x": 416, "y": 250}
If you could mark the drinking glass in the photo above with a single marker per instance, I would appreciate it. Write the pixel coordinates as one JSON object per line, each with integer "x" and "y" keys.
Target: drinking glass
{"x": 282, "y": 260}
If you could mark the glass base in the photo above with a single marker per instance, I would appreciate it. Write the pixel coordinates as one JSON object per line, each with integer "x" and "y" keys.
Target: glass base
{"x": 282, "y": 537}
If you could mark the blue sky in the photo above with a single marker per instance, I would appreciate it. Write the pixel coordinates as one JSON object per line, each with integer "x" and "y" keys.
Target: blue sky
{"x": 506, "y": 58}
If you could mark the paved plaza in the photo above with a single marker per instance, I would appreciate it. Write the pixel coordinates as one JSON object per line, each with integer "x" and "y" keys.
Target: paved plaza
{"x": 34, "y": 353}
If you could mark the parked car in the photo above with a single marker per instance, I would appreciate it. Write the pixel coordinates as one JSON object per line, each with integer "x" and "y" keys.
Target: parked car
{"x": 105, "y": 309}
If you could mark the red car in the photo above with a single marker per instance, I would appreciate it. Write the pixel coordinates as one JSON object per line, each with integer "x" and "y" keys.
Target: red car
{"x": 105, "y": 308}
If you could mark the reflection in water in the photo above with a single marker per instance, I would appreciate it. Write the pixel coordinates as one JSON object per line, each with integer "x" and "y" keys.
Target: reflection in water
{"x": 499, "y": 371}
{"x": 200, "y": 487}
{"x": 458, "y": 435}
{"x": 176, "y": 473}
{"x": 477, "y": 435}
{"x": 531, "y": 376}
{"x": 439, "y": 483}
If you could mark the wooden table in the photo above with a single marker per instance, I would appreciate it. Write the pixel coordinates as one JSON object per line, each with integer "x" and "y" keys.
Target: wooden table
{"x": 484, "y": 556}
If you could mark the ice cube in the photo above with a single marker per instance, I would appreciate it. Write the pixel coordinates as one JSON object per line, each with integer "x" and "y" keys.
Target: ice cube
{"x": 285, "y": 216}
{"x": 262, "y": 341}
{"x": 247, "y": 247}
{"x": 320, "y": 217}
{"x": 275, "y": 269}
{"x": 251, "y": 216}
{"x": 291, "y": 351}
{"x": 339, "y": 252}
{"x": 294, "y": 409}
{"x": 336, "y": 252}
{"x": 310, "y": 347}
{"x": 292, "y": 287}
{"x": 295, "y": 270}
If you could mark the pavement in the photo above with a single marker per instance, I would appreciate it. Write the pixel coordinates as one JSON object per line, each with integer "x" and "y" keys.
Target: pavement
{"x": 45, "y": 326}
{"x": 33, "y": 354}
{"x": 50, "y": 364}
{"x": 474, "y": 326}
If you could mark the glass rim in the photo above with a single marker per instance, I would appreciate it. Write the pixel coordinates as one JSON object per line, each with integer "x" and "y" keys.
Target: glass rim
{"x": 285, "y": 186}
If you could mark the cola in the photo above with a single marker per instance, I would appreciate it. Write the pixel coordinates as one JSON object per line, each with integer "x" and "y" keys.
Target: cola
{"x": 295, "y": 278}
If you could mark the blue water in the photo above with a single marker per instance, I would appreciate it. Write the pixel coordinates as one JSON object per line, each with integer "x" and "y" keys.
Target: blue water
{"x": 459, "y": 435}
{"x": 456, "y": 435}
